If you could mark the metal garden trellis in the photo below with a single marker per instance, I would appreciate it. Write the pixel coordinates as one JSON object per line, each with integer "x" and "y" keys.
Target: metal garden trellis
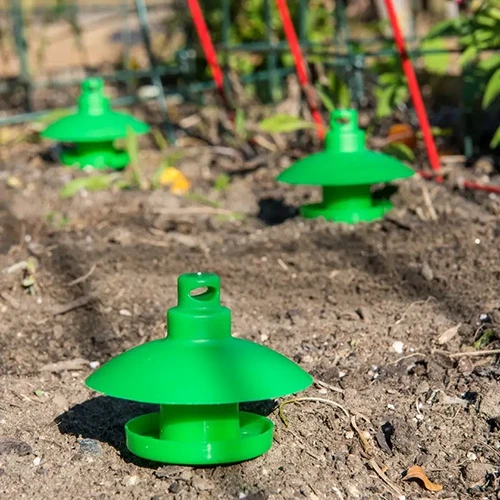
{"x": 342, "y": 56}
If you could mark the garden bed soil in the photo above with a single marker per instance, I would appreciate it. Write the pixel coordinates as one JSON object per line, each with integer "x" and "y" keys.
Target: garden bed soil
{"x": 360, "y": 307}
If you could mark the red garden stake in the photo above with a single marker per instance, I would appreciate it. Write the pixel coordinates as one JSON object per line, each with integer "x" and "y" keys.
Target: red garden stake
{"x": 208, "y": 47}
{"x": 414, "y": 88}
{"x": 300, "y": 65}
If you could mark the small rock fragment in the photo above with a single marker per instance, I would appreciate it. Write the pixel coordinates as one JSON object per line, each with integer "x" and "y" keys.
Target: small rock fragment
{"x": 90, "y": 447}
{"x": 490, "y": 404}
{"x": 475, "y": 472}
{"x": 427, "y": 272}
{"x": 10, "y": 445}
{"x": 175, "y": 487}
{"x": 131, "y": 481}
{"x": 121, "y": 236}
{"x": 202, "y": 484}
{"x": 365, "y": 314}
{"x": 398, "y": 346}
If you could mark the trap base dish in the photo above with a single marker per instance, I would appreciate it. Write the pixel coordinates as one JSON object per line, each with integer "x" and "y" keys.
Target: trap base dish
{"x": 255, "y": 436}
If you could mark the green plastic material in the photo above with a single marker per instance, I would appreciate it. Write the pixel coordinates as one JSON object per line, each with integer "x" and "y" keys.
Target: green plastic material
{"x": 199, "y": 374}
{"x": 346, "y": 170}
{"x": 93, "y": 130}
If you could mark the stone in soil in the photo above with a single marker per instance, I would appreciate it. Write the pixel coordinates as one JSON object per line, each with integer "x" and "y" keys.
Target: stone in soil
{"x": 15, "y": 446}
{"x": 90, "y": 447}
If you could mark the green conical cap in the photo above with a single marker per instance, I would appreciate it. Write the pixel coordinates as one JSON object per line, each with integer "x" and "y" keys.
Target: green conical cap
{"x": 94, "y": 120}
{"x": 345, "y": 160}
{"x": 199, "y": 362}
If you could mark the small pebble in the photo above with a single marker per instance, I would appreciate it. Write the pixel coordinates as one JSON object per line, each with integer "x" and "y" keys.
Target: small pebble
{"x": 90, "y": 447}
{"x": 427, "y": 272}
{"x": 36, "y": 461}
{"x": 175, "y": 487}
{"x": 125, "y": 312}
{"x": 365, "y": 314}
{"x": 9, "y": 445}
{"x": 94, "y": 364}
{"x": 202, "y": 484}
{"x": 398, "y": 347}
{"x": 131, "y": 481}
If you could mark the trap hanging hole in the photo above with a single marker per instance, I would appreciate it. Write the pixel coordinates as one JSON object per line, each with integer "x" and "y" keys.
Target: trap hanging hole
{"x": 203, "y": 293}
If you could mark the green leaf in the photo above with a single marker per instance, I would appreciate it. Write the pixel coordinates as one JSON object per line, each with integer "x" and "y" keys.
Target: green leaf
{"x": 400, "y": 151}
{"x": 492, "y": 89}
{"x": 222, "y": 182}
{"x": 52, "y": 116}
{"x": 344, "y": 96}
{"x": 436, "y": 63}
{"x": 92, "y": 183}
{"x": 495, "y": 142}
{"x": 490, "y": 63}
{"x": 389, "y": 78}
{"x": 239, "y": 123}
{"x": 284, "y": 123}
{"x": 325, "y": 99}
{"x": 384, "y": 100}
{"x": 132, "y": 148}
{"x": 448, "y": 28}
{"x": 486, "y": 338}
{"x": 132, "y": 145}
{"x": 468, "y": 55}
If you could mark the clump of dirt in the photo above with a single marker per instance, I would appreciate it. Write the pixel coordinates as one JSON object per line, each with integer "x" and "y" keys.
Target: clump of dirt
{"x": 361, "y": 307}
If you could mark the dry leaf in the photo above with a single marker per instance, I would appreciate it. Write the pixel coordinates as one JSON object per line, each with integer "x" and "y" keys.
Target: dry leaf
{"x": 364, "y": 438}
{"x": 174, "y": 178}
{"x": 448, "y": 334}
{"x": 416, "y": 472}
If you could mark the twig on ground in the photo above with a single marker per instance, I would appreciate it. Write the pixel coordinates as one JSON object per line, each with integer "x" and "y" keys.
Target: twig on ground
{"x": 317, "y": 400}
{"x": 491, "y": 352}
{"x": 328, "y": 386}
{"x": 81, "y": 279}
{"x": 385, "y": 479}
{"x": 406, "y": 357}
{"x": 282, "y": 264}
{"x": 75, "y": 304}
{"x": 18, "y": 266}
{"x": 67, "y": 365}
{"x": 10, "y": 300}
{"x": 198, "y": 211}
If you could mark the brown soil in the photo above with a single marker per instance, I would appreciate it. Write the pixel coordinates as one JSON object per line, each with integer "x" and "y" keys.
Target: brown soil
{"x": 332, "y": 297}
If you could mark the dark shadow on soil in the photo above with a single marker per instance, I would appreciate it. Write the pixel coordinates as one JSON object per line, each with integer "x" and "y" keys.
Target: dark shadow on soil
{"x": 384, "y": 193}
{"x": 91, "y": 330}
{"x": 103, "y": 419}
{"x": 273, "y": 211}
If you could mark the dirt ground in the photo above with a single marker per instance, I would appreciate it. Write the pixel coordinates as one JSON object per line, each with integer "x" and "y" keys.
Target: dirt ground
{"x": 360, "y": 307}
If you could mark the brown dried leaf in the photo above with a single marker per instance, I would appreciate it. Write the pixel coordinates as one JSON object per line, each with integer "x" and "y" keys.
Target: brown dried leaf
{"x": 416, "y": 472}
{"x": 448, "y": 334}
